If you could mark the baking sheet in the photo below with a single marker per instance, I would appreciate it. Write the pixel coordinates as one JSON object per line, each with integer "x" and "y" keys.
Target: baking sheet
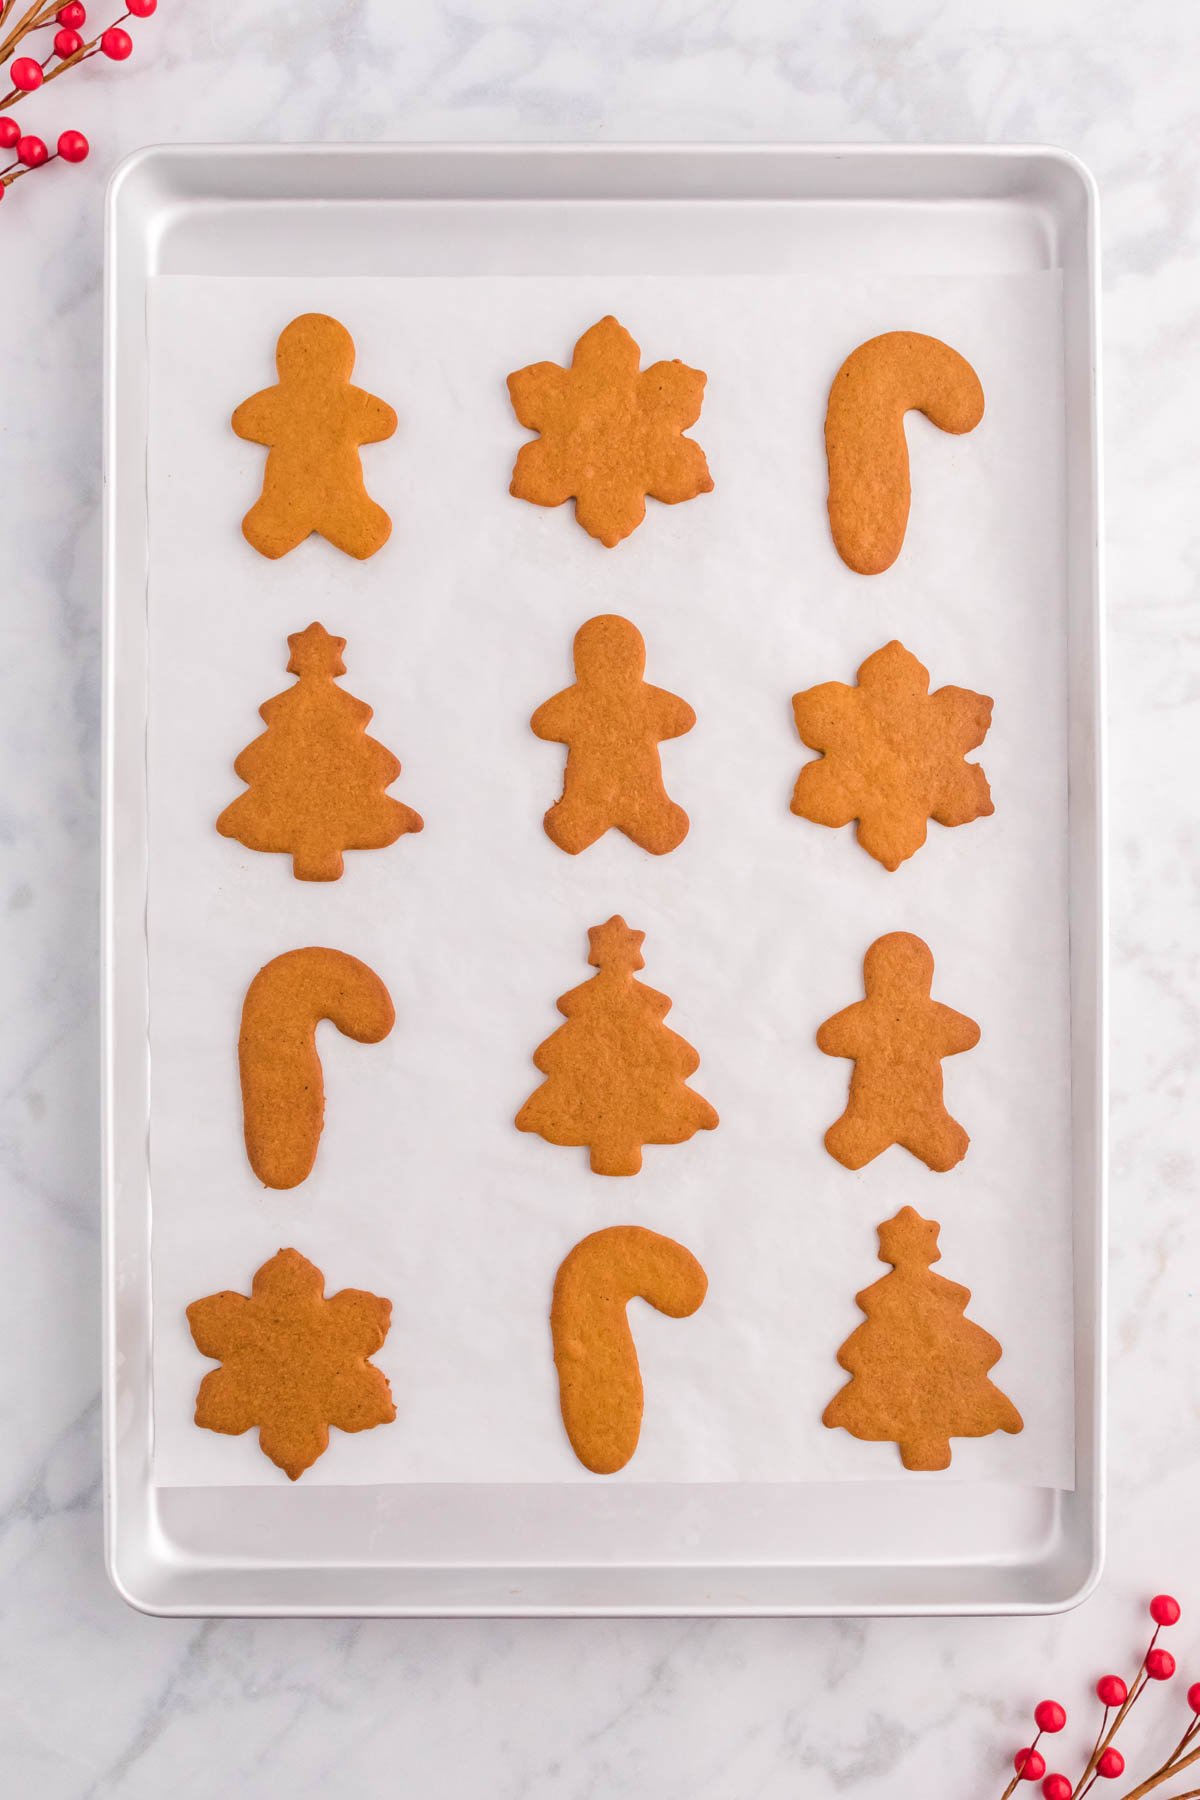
{"x": 755, "y": 926}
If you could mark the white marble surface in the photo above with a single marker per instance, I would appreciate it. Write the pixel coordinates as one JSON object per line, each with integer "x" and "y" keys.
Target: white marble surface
{"x": 95, "y": 1700}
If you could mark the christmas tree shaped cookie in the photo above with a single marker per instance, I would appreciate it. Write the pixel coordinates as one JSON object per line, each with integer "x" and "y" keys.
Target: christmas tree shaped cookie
{"x": 313, "y": 423}
{"x": 897, "y": 1037}
{"x": 918, "y": 1368}
{"x": 292, "y": 1362}
{"x": 894, "y": 755}
{"x": 315, "y": 780}
{"x": 611, "y": 433}
{"x": 612, "y": 723}
{"x": 615, "y": 1074}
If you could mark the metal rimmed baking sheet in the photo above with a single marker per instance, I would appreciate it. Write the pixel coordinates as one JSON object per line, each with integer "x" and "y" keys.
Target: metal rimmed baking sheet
{"x": 779, "y": 1547}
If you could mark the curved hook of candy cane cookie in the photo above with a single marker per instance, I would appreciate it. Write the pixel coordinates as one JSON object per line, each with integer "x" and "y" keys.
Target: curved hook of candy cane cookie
{"x": 599, "y": 1382}
{"x": 865, "y": 444}
{"x": 283, "y": 1091}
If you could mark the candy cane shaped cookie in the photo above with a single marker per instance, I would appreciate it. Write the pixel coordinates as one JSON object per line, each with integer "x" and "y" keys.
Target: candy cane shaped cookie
{"x": 599, "y": 1382}
{"x": 283, "y": 1091}
{"x": 878, "y": 383}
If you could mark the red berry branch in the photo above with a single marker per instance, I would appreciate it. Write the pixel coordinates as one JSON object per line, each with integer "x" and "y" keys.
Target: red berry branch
{"x": 1106, "y": 1762}
{"x": 68, "y": 48}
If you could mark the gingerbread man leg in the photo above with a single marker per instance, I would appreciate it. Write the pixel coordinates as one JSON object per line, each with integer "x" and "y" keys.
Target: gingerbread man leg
{"x": 856, "y": 1138}
{"x": 657, "y": 824}
{"x": 359, "y": 529}
{"x": 940, "y": 1143}
{"x": 274, "y": 524}
{"x": 575, "y": 821}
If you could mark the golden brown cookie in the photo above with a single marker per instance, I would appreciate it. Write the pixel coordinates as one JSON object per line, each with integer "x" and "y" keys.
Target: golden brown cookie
{"x": 292, "y": 1362}
{"x": 283, "y": 1090}
{"x": 599, "y": 1382}
{"x": 918, "y": 1369}
{"x": 897, "y": 1037}
{"x": 615, "y": 1074}
{"x": 611, "y": 433}
{"x": 315, "y": 780}
{"x": 894, "y": 755}
{"x": 313, "y": 423}
{"x": 865, "y": 443}
{"x": 612, "y": 723}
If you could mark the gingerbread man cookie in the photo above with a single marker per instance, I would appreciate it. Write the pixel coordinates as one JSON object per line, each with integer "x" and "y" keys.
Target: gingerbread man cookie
{"x": 313, "y": 423}
{"x": 612, "y": 723}
{"x": 897, "y": 1037}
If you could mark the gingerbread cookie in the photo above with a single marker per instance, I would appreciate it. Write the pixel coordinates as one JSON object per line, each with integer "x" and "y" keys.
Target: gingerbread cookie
{"x": 315, "y": 780}
{"x": 283, "y": 1090}
{"x": 894, "y": 755}
{"x": 612, "y": 723}
{"x": 615, "y": 1074}
{"x": 292, "y": 1362}
{"x": 918, "y": 1369}
{"x": 611, "y": 433}
{"x": 865, "y": 444}
{"x": 313, "y": 423}
{"x": 897, "y": 1037}
{"x": 599, "y": 1382}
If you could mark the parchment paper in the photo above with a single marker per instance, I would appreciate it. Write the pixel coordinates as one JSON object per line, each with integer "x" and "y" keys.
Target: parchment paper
{"x": 756, "y": 926}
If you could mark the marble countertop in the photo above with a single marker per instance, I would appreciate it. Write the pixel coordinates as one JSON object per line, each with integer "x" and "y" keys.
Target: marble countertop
{"x": 97, "y": 1700}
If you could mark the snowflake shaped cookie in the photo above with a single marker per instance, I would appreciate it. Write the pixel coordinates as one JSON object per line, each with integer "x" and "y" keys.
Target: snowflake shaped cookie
{"x": 894, "y": 755}
{"x": 292, "y": 1362}
{"x": 611, "y": 433}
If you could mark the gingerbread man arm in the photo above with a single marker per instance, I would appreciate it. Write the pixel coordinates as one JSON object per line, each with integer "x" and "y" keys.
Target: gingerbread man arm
{"x": 956, "y": 1031}
{"x": 672, "y": 716}
{"x": 842, "y": 1035}
{"x": 258, "y": 418}
{"x": 556, "y": 719}
{"x": 373, "y": 418}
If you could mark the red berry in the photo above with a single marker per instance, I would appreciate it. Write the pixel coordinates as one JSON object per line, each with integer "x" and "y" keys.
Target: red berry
{"x": 10, "y": 133}
{"x": 1111, "y": 1690}
{"x": 1193, "y": 1696}
{"x": 26, "y": 74}
{"x": 67, "y": 42}
{"x": 1030, "y": 1764}
{"x": 1056, "y": 1787}
{"x": 1111, "y": 1764}
{"x": 1164, "y": 1609}
{"x": 73, "y": 14}
{"x": 141, "y": 9}
{"x": 115, "y": 43}
{"x": 32, "y": 152}
{"x": 73, "y": 146}
{"x": 1160, "y": 1665}
{"x": 1048, "y": 1715}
